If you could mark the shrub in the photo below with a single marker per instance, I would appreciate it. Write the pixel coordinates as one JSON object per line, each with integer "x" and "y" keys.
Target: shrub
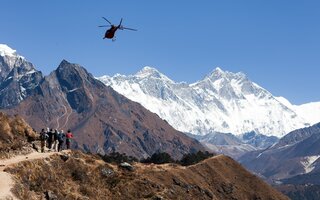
{"x": 159, "y": 158}
{"x": 116, "y": 157}
{"x": 193, "y": 158}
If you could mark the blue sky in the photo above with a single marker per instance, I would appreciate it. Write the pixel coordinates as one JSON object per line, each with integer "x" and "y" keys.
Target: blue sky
{"x": 276, "y": 43}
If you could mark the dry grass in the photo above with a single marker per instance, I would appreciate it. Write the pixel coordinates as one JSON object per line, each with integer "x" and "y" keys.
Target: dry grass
{"x": 84, "y": 176}
{"x": 15, "y": 135}
{"x": 78, "y": 176}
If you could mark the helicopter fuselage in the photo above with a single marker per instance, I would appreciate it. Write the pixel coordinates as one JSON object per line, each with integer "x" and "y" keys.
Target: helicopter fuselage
{"x": 110, "y": 32}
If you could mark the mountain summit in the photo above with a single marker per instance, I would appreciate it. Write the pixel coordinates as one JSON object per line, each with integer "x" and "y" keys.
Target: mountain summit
{"x": 18, "y": 77}
{"x": 5, "y": 50}
{"x": 149, "y": 72}
{"x": 221, "y": 102}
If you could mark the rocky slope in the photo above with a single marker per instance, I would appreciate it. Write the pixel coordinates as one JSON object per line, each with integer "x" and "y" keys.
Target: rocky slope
{"x": 235, "y": 146}
{"x": 294, "y": 157}
{"x": 300, "y": 192}
{"x": 100, "y": 118}
{"x": 80, "y": 176}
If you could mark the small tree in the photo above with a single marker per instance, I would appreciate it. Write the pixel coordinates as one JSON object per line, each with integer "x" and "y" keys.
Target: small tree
{"x": 159, "y": 158}
{"x": 193, "y": 158}
{"x": 118, "y": 158}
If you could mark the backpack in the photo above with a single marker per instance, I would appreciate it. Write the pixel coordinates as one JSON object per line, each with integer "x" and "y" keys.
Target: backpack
{"x": 61, "y": 136}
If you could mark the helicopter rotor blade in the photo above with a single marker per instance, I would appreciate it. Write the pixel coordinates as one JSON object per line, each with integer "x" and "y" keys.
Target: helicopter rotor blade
{"x": 107, "y": 20}
{"x": 104, "y": 26}
{"x": 131, "y": 29}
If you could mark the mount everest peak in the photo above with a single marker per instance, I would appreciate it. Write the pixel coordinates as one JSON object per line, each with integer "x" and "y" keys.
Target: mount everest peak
{"x": 221, "y": 102}
{"x": 148, "y": 71}
{"x": 218, "y": 73}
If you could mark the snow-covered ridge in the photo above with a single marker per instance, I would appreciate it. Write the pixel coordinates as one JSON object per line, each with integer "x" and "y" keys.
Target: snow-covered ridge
{"x": 310, "y": 111}
{"x": 223, "y": 101}
{"x": 5, "y": 50}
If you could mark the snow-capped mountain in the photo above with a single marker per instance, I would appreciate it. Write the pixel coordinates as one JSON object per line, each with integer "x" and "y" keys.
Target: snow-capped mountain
{"x": 18, "y": 77}
{"x": 223, "y": 102}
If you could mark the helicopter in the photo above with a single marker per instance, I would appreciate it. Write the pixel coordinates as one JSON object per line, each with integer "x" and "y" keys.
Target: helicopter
{"x": 111, "y": 31}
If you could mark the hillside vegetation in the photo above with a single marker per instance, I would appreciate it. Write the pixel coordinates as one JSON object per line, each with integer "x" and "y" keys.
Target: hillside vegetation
{"x": 76, "y": 175}
{"x": 15, "y": 136}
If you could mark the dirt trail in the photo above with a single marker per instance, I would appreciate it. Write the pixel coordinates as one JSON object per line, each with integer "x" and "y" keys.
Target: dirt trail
{"x": 6, "y": 180}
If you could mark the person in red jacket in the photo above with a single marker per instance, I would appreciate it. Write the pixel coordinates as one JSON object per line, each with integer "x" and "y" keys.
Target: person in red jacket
{"x": 69, "y": 137}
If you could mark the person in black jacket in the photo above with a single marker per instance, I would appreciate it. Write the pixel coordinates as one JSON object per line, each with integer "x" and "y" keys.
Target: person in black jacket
{"x": 55, "y": 140}
{"x": 50, "y": 138}
{"x": 61, "y": 137}
{"x": 43, "y": 138}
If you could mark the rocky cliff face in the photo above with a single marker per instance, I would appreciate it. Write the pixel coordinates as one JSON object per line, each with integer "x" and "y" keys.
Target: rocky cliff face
{"x": 18, "y": 77}
{"x": 100, "y": 118}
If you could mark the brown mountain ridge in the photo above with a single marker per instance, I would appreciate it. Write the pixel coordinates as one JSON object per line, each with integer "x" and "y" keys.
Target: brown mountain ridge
{"x": 99, "y": 117}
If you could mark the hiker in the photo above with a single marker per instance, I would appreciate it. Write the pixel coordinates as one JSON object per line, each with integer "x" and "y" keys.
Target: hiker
{"x": 55, "y": 140}
{"x": 43, "y": 138}
{"x": 69, "y": 137}
{"x": 50, "y": 138}
{"x": 61, "y": 137}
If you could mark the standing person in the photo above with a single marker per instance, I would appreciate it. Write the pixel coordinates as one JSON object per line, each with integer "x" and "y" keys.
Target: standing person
{"x": 61, "y": 137}
{"x": 50, "y": 138}
{"x": 43, "y": 138}
{"x": 55, "y": 140}
{"x": 69, "y": 137}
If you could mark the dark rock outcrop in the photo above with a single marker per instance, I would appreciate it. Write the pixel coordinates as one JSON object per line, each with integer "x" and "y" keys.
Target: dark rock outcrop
{"x": 18, "y": 79}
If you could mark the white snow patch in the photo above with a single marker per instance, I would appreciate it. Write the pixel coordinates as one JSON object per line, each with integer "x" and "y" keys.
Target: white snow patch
{"x": 5, "y": 50}
{"x": 307, "y": 163}
{"x": 73, "y": 90}
{"x": 31, "y": 71}
{"x": 310, "y": 111}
